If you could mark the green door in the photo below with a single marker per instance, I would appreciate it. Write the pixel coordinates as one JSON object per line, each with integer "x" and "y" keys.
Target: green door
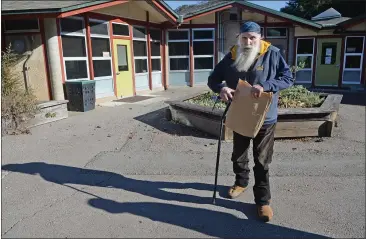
{"x": 328, "y": 60}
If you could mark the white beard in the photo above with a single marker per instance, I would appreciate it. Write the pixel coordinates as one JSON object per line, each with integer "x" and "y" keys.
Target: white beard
{"x": 245, "y": 57}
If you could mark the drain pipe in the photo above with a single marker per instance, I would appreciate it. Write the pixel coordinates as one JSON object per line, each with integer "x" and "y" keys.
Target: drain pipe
{"x": 26, "y": 67}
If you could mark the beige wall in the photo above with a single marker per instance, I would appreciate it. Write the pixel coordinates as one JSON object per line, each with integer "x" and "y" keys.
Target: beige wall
{"x": 134, "y": 10}
{"x": 127, "y": 10}
{"x": 271, "y": 19}
{"x": 300, "y": 32}
{"x": 359, "y": 27}
{"x": 154, "y": 15}
{"x": 36, "y": 63}
{"x": 231, "y": 30}
{"x": 207, "y": 19}
{"x": 251, "y": 16}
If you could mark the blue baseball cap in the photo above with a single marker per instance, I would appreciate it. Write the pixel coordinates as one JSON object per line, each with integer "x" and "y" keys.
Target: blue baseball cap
{"x": 250, "y": 27}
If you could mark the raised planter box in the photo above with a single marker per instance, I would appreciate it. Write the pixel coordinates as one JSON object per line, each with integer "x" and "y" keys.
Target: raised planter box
{"x": 292, "y": 122}
{"x": 50, "y": 111}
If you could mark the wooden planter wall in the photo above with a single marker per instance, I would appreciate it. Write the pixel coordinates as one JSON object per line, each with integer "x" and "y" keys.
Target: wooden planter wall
{"x": 292, "y": 123}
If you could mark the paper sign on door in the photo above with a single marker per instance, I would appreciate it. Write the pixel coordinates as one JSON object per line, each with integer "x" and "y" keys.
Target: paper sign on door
{"x": 328, "y": 52}
{"x": 328, "y": 60}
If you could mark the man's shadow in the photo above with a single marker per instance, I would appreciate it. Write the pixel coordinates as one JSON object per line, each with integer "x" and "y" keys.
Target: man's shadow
{"x": 212, "y": 223}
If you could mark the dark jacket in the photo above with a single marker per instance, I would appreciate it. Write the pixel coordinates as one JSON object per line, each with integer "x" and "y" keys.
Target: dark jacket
{"x": 269, "y": 70}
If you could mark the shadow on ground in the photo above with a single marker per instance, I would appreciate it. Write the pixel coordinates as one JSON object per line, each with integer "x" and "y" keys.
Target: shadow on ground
{"x": 209, "y": 222}
{"x": 157, "y": 120}
{"x": 355, "y": 98}
{"x": 349, "y": 97}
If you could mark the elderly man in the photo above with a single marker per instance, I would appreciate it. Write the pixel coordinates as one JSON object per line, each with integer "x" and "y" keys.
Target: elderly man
{"x": 261, "y": 65}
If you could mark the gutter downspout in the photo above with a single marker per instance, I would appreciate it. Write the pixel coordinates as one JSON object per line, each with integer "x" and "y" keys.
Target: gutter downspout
{"x": 179, "y": 20}
{"x": 26, "y": 67}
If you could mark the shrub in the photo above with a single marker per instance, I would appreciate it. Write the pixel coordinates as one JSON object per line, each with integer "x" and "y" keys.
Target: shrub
{"x": 18, "y": 105}
{"x": 292, "y": 97}
{"x": 207, "y": 99}
{"x": 299, "y": 97}
{"x": 296, "y": 96}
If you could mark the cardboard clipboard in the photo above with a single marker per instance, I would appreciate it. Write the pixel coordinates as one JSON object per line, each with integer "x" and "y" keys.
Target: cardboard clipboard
{"x": 246, "y": 114}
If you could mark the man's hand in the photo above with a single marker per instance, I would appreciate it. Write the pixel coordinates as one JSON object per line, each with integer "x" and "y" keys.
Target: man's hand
{"x": 257, "y": 91}
{"x": 225, "y": 94}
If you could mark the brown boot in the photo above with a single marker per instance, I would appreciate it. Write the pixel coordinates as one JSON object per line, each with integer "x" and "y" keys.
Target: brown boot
{"x": 265, "y": 212}
{"x": 236, "y": 190}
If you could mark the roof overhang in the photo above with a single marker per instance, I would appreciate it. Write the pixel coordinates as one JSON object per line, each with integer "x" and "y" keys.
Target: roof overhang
{"x": 353, "y": 21}
{"x": 160, "y": 6}
{"x": 217, "y": 8}
{"x": 255, "y": 8}
{"x": 66, "y": 11}
{"x": 166, "y": 11}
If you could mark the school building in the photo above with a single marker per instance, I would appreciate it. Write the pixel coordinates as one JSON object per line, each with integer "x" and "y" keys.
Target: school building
{"x": 132, "y": 47}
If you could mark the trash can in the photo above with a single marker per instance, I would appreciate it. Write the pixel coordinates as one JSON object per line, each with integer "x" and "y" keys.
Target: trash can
{"x": 81, "y": 95}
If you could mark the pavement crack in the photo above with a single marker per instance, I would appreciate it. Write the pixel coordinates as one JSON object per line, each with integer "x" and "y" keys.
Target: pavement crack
{"x": 40, "y": 210}
{"x": 102, "y": 153}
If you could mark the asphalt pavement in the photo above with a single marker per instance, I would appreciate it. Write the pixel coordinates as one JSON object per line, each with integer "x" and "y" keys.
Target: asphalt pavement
{"x": 123, "y": 170}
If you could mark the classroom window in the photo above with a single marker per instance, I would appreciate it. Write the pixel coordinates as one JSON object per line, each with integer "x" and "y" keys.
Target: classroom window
{"x": 120, "y": 29}
{"x": 155, "y": 43}
{"x": 179, "y": 64}
{"x": 155, "y": 65}
{"x": 139, "y": 32}
{"x": 141, "y": 65}
{"x": 28, "y": 25}
{"x": 140, "y": 49}
{"x": 276, "y": 32}
{"x": 72, "y": 25}
{"x": 73, "y": 46}
{"x": 100, "y": 47}
{"x": 203, "y": 49}
{"x": 76, "y": 69}
{"x": 102, "y": 68}
{"x": 305, "y": 55}
{"x": 99, "y": 28}
{"x": 178, "y": 47}
{"x": 74, "y": 51}
{"x": 353, "y": 59}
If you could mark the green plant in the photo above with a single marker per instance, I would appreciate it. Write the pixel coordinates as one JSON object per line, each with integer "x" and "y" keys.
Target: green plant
{"x": 300, "y": 65}
{"x": 18, "y": 105}
{"x": 207, "y": 99}
{"x": 293, "y": 97}
{"x": 299, "y": 97}
{"x": 50, "y": 115}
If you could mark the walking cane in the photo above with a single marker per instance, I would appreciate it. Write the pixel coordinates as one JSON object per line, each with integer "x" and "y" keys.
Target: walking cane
{"x": 219, "y": 146}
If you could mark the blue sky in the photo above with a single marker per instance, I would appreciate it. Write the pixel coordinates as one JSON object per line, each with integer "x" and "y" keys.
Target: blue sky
{"x": 276, "y": 5}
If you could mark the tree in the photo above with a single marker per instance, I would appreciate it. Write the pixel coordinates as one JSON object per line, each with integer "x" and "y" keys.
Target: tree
{"x": 310, "y": 8}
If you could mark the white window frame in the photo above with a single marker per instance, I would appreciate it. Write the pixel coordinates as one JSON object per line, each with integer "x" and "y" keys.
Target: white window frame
{"x": 75, "y": 58}
{"x": 204, "y": 40}
{"x": 305, "y": 55}
{"x": 101, "y": 58}
{"x": 141, "y": 57}
{"x": 156, "y": 57}
{"x": 353, "y": 54}
{"x": 119, "y": 23}
{"x": 20, "y": 31}
{"x": 275, "y": 37}
{"x": 182, "y": 56}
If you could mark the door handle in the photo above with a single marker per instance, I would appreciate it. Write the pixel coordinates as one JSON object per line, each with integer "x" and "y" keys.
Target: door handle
{"x": 117, "y": 73}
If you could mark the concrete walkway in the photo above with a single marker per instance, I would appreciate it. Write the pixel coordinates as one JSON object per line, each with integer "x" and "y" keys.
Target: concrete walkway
{"x": 124, "y": 171}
